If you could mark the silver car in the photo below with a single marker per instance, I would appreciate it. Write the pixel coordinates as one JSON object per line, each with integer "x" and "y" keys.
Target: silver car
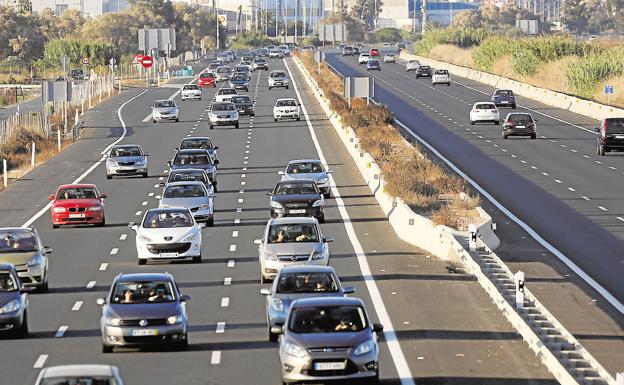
{"x": 190, "y": 175}
{"x": 223, "y": 114}
{"x": 291, "y": 241}
{"x": 412, "y": 65}
{"x": 297, "y": 282}
{"x": 223, "y": 73}
{"x": 23, "y": 248}
{"x": 165, "y": 110}
{"x": 79, "y": 374}
{"x": 278, "y": 79}
{"x": 191, "y": 195}
{"x": 327, "y": 339}
{"x": 309, "y": 169}
{"x": 126, "y": 159}
{"x": 200, "y": 142}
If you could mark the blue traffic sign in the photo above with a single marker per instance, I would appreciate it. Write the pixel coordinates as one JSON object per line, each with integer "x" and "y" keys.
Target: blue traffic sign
{"x": 608, "y": 89}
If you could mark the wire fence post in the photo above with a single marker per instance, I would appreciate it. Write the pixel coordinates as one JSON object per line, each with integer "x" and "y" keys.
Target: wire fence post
{"x": 58, "y": 139}
{"x": 32, "y": 155}
{"x": 4, "y": 173}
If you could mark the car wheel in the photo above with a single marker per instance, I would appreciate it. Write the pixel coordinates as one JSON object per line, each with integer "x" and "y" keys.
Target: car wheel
{"x": 46, "y": 285}
{"x": 183, "y": 345}
{"x": 601, "y": 151}
{"x": 144, "y": 175}
{"x": 286, "y": 87}
{"x": 321, "y": 219}
{"x": 210, "y": 222}
{"x": 107, "y": 349}
{"x": 108, "y": 176}
{"x": 177, "y": 120}
{"x": 533, "y": 136}
{"x": 472, "y": 123}
{"x": 153, "y": 120}
{"x": 275, "y": 119}
{"x": 211, "y": 126}
{"x": 513, "y": 106}
{"x": 496, "y": 122}
{"x": 102, "y": 224}
{"x": 270, "y": 87}
{"x": 504, "y": 136}
{"x": 236, "y": 125}
{"x": 448, "y": 84}
{"x": 197, "y": 259}
{"x": 263, "y": 280}
{"x": 298, "y": 118}
{"x": 272, "y": 336}
{"x": 141, "y": 261}
{"x": 55, "y": 226}
{"x": 22, "y": 332}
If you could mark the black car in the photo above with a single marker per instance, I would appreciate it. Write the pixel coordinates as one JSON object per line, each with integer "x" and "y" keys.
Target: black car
{"x": 400, "y": 47}
{"x": 13, "y": 303}
{"x": 424, "y": 72}
{"x": 519, "y": 124}
{"x": 300, "y": 197}
{"x": 244, "y": 105}
{"x": 239, "y": 82}
{"x": 77, "y": 74}
{"x": 189, "y": 175}
{"x": 195, "y": 158}
{"x": 143, "y": 309}
{"x": 611, "y": 136}
{"x": 504, "y": 98}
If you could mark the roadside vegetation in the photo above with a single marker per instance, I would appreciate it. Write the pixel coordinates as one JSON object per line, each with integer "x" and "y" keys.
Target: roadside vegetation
{"x": 409, "y": 174}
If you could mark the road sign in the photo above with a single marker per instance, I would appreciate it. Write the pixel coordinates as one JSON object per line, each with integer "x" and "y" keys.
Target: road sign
{"x": 85, "y": 61}
{"x": 147, "y": 61}
{"x": 65, "y": 61}
{"x": 319, "y": 56}
{"x": 138, "y": 58}
{"x": 112, "y": 61}
{"x": 608, "y": 89}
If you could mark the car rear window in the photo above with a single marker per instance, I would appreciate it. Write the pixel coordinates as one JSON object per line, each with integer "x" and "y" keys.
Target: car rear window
{"x": 191, "y": 87}
{"x": 485, "y": 106}
{"x": 615, "y": 126}
{"x": 241, "y": 99}
{"x": 227, "y": 91}
{"x": 187, "y": 177}
{"x": 223, "y": 107}
{"x": 306, "y": 282}
{"x": 441, "y": 72}
{"x": 164, "y": 103}
{"x": 185, "y": 191}
{"x": 78, "y": 380}
{"x": 520, "y": 118}
{"x": 504, "y": 93}
{"x": 304, "y": 168}
{"x": 196, "y": 143}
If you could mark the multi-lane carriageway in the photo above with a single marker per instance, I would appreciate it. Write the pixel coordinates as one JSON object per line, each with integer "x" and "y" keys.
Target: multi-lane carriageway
{"x": 441, "y": 327}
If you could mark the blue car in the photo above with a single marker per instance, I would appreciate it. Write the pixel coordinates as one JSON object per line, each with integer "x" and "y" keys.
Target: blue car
{"x": 13, "y": 303}
{"x": 373, "y": 64}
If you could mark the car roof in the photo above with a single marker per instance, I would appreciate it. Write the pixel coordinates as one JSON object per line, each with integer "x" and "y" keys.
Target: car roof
{"x": 285, "y": 99}
{"x": 193, "y": 150}
{"x": 304, "y": 160}
{"x": 82, "y": 370}
{"x": 77, "y": 186}
{"x": 296, "y": 181}
{"x": 491, "y": 103}
{"x": 195, "y": 137}
{"x": 326, "y": 301}
{"x": 184, "y": 183}
{"x": 292, "y": 220}
{"x": 307, "y": 268}
{"x": 186, "y": 170}
{"x": 164, "y": 100}
{"x": 126, "y": 145}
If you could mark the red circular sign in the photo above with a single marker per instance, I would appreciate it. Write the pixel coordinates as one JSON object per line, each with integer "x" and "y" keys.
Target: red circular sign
{"x": 138, "y": 58}
{"x": 147, "y": 61}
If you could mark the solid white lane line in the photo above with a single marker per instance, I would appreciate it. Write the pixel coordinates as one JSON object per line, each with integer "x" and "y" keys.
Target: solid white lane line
{"x": 227, "y": 281}
{"x": 215, "y": 358}
{"x": 603, "y": 208}
{"x": 123, "y": 237}
{"x": 232, "y": 247}
{"x": 61, "y": 331}
{"x": 220, "y": 328}
{"x": 235, "y": 234}
{"x": 231, "y": 263}
{"x": 114, "y": 251}
{"x": 103, "y": 266}
{"x": 77, "y": 306}
{"x": 225, "y": 302}
{"x": 41, "y": 360}
{"x": 90, "y": 285}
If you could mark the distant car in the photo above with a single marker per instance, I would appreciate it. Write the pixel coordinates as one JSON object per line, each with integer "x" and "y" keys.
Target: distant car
{"x": 165, "y": 110}
{"x": 126, "y": 159}
{"x": 286, "y": 109}
{"x": 260, "y": 64}
{"x": 207, "y": 79}
{"x": 484, "y": 112}
{"x": 400, "y": 47}
{"x": 244, "y": 105}
{"x": 297, "y": 198}
{"x": 389, "y": 58}
{"x": 309, "y": 169}
{"x": 200, "y": 142}
{"x": 191, "y": 195}
{"x": 239, "y": 82}
{"x": 76, "y": 204}
{"x": 244, "y": 67}
{"x": 223, "y": 114}
{"x": 190, "y": 91}
{"x": 223, "y": 73}
{"x": 364, "y": 58}
{"x": 373, "y": 65}
{"x": 77, "y": 74}
{"x": 412, "y": 65}
{"x": 13, "y": 303}
{"x": 328, "y": 338}
{"x": 285, "y": 50}
{"x": 504, "y": 98}
{"x": 348, "y": 51}
{"x": 212, "y": 67}
{"x": 291, "y": 241}
{"x": 142, "y": 310}
{"x": 79, "y": 374}
{"x": 189, "y": 175}
{"x": 424, "y": 71}
{"x": 441, "y": 76}
{"x": 519, "y": 124}
{"x": 278, "y": 78}
{"x": 611, "y": 136}
{"x": 225, "y": 94}
{"x": 373, "y": 52}
{"x": 297, "y": 282}
{"x": 22, "y": 247}
{"x": 224, "y": 58}
{"x": 276, "y": 54}
{"x": 195, "y": 158}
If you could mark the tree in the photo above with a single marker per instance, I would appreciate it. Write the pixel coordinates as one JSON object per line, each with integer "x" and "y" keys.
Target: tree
{"x": 366, "y": 11}
{"x": 575, "y": 16}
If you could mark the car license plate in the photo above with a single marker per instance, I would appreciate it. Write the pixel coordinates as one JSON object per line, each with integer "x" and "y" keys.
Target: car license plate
{"x": 168, "y": 255}
{"x": 297, "y": 211}
{"x": 520, "y": 126}
{"x": 504, "y": 101}
{"x": 619, "y": 137}
{"x": 144, "y": 332}
{"x": 330, "y": 365}
{"x": 77, "y": 215}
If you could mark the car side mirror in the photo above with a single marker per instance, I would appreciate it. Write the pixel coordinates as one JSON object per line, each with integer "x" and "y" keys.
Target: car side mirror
{"x": 176, "y": 149}
{"x": 169, "y": 163}
{"x": 265, "y": 291}
{"x": 597, "y": 129}
{"x": 105, "y": 156}
{"x": 185, "y": 297}
{"x": 280, "y": 173}
{"x": 147, "y": 154}
{"x": 258, "y": 241}
{"x": 27, "y": 289}
{"x": 50, "y": 197}
{"x": 216, "y": 161}
{"x": 216, "y": 147}
{"x": 535, "y": 120}
{"x": 378, "y": 328}
{"x": 135, "y": 227}
{"x": 277, "y": 330}
{"x": 47, "y": 249}
{"x": 348, "y": 290}
{"x": 328, "y": 239}
{"x": 100, "y": 301}
{"x": 330, "y": 171}
{"x": 102, "y": 196}
{"x": 162, "y": 184}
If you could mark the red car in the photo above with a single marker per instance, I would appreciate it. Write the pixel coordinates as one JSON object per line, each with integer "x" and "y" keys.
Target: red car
{"x": 77, "y": 204}
{"x": 374, "y": 52}
{"x": 207, "y": 79}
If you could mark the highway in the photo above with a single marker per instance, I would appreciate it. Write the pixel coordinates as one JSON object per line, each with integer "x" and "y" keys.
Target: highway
{"x": 447, "y": 328}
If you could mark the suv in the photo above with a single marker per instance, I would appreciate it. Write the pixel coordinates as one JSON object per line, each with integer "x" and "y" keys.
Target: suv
{"x": 278, "y": 79}
{"x": 611, "y": 136}
{"x": 504, "y": 98}
{"x": 22, "y": 248}
{"x": 519, "y": 124}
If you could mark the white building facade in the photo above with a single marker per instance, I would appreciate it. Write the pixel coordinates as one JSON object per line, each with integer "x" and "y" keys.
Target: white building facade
{"x": 92, "y": 8}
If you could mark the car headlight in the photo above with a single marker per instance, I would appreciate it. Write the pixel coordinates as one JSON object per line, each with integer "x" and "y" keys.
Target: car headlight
{"x": 212, "y": 116}
{"x": 277, "y": 205}
{"x": 59, "y": 209}
{"x": 277, "y": 304}
{"x": 295, "y": 351}
{"x": 235, "y": 115}
{"x": 111, "y": 163}
{"x": 144, "y": 238}
{"x": 156, "y": 113}
{"x": 34, "y": 261}
{"x": 114, "y": 321}
{"x": 365, "y": 347}
{"x": 95, "y": 208}
{"x": 205, "y": 206}
{"x": 323, "y": 180}
{"x": 174, "y": 319}
{"x": 317, "y": 203}
{"x": 317, "y": 255}
{"x": 141, "y": 163}
{"x": 270, "y": 255}
{"x": 10, "y": 307}
{"x": 190, "y": 238}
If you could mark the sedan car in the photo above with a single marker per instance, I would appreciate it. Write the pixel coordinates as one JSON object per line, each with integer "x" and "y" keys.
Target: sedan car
{"x": 79, "y": 374}
{"x": 297, "y": 282}
{"x": 291, "y": 241}
{"x": 299, "y": 197}
{"x": 278, "y": 79}
{"x": 286, "y": 109}
{"x": 412, "y": 65}
{"x": 195, "y": 158}
{"x": 373, "y": 52}
{"x": 364, "y": 58}
{"x": 389, "y": 58}
{"x": 276, "y": 54}
{"x": 504, "y": 98}
{"x": 260, "y": 64}
{"x": 223, "y": 73}
{"x": 328, "y": 339}
{"x": 244, "y": 70}
{"x": 244, "y": 105}
{"x": 142, "y": 310}
{"x": 225, "y": 94}
{"x": 75, "y": 204}
{"x": 424, "y": 71}
{"x": 168, "y": 234}
{"x": 22, "y": 248}
{"x": 200, "y": 142}
{"x": 191, "y": 195}
{"x": 13, "y": 303}
{"x": 126, "y": 159}
{"x": 373, "y": 65}
{"x": 610, "y": 136}
{"x": 190, "y": 91}
{"x": 189, "y": 175}
{"x": 239, "y": 82}
{"x": 309, "y": 169}
{"x": 223, "y": 114}
{"x": 441, "y": 77}
{"x": 519, "y": 124}
{"x": 484, "y": 112}
{"x": 212, "y": 67}
{"x": 165, "y": 110}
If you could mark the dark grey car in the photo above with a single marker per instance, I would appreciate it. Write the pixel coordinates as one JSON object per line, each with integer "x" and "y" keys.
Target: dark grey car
{"x": 504, "y": 98}
{"x": 188, "y": 175}
{"x": 13, "y": 303}
{"x": 202, "y": 142}
{"x": 239, "y": 82}
{"x": 143, "y": 309}
{"x": 244, "y": 105}
{"x": 195, "y": 158}
{"x": 298, "y": 197}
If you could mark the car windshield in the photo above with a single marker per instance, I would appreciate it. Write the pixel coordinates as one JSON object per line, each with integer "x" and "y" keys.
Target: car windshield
{"x": 126, "y": 151}
{"x": 191, "y": 87}
{"x": 288, "y": 233}
{"x": 239, "y": 78}
{"x": 503, "y": 93}
{"x": 327, "y": 319}
{"x": 305, "y": 168}
{"x": 223, "y": 107}
{"x": 241, "y": 99}
{"x": 317, "y": 282}
{"x": 159, "y": 219}
{"x": 295, "y": 188}
{"x": 223, "y": 70}
{"x": 286, "y": 103}
{"x": 164, "y": 103}
{"x": 185, "y": 191}
{"x": 199, "y": 157}
{"x": 615, "y": 126}
{"x": 227, "y": 91}
{"x": 485, "y": 106}
{"x": 206, "y": 75}
{"x": 520, "y": 118}
{"x": 7, "y": 282}
{"x": 260, "y": 61}
{"x": 77, "y": 193}
{"x": 80, "y": 380}
{"x": 278, "y": 75}
{"x": 373, "y": 62}
{"x": 196, "y": 143}
{"x": 17, "y": 241}
{"x": 187, "y": 177}
{"x": 143, "y": 292}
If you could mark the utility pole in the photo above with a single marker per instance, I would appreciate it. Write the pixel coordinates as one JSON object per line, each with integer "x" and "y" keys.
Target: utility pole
{"x": 277, "y": 4}
{"x": 296, "y": 18}
{"x": 424, "y": 17}
{"x": 414, "y": 17}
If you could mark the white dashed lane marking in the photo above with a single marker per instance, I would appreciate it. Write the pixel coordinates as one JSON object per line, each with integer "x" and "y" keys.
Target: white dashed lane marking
{"x": 231, "y": 263}
{"x": 90, "y": 285}
{"x": 235, "y": 234}
{"x": 236, "y": 221}
{"x": 77, "y": 305}
{"x": 602, "y": 208}
{"x": 61, "y": 331}
{"x": 103, "y": 266}
{"x": 220, "y": 328}
{"x": 215, "y": 358}
{"x": 123, "y": 237}
{"x": 227, "y": 281}
{"x": 232, "y": 247}
{"x": 41, "y": 360}
{"x": 225, "y": 302}
{"x": 114, "y": 251}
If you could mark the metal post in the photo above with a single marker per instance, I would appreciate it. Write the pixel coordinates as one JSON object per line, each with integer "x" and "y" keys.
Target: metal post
{"x": 32, "y": 155}
{"x": 472, "y": 241}
{"x": 414, "y": 17}
{"x": 519, "y": 280}
{"x": 65, "y": 116}
{"x": 424, "y": 17}
{"x": 276, "y": 16}
{"x": 58, "y": 139}
{"x": 619, "y": 378}
{"x": 5, "y": 173}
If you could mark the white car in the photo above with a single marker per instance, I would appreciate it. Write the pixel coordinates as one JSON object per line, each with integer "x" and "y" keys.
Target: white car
{"x": 223, "y": 73}
{"x": 168, "y": 234}
{"x": 278, "y": 78}
{"x": 412, "y": 65}
{"x": 276, "y": 54}
{"x": 192, "y": 195}
{"x": 389, "y": 58}
{"x": 363, "y": 58}
{"x": 225, "y": 95}
{"x": 191, "y": 91}
{"x": 484, "y": 112}
{"x": 441, "y": 77}
{"x": 286, "y": 109}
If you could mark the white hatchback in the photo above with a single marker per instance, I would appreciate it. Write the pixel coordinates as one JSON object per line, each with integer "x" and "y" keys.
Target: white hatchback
{"x": 363, "y": 58}
{"x": 389, "y": 58}
{"x": 484, "y": 112}
{"x": 412, "y": 65}
{"x": 441, "y": 77}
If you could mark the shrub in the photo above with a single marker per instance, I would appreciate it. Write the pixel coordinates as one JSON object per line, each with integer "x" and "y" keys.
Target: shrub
{"x": 587, "y": 72}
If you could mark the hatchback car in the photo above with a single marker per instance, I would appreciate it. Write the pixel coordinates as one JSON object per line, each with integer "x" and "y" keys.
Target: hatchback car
{"x": 297, "y": 282}
{"x": 291, "y": 241}
{"x": 126, "y": 159}
{"x": 165, "y": 110}
{"x": 207, "y": 79}
{"x": 223, "y": 73}
{"x": 13, "y": 303}
{"x": 143, "y": 309}
{"x": 484, "y": 112}
{"x": 412, "y": 65}
{"x": 200, "y": 142}
{"x": 441, "y": 77}
{"x": 195, "y": 158}
{"x": 190, "y": 91}
{"x": 504, "y": 98}
{"x": 373, "y": 52}
{"x": 75, "y": 204}
{"x": 260, "y": 64}
{"x": 309, "y": 169}
{"x": 223, "y": 114}
{"x": 389, "y": 58}
{"x": 212, "y": 67}
{"x": 168, "y": 234}
{"x": 424, "y": 71}
{"x": 190, "y": 195}
{"x": 286, "y": 109}
{"x": 298, "y": 197}
{"x": 348, "y": 51}
{"x": 239, "y": 81}
{"x": 189, "y": 175}
{"x": 328, "y": 339}
{"x": 278, "y": 79}
{"x": 519, "y": 124}
{"x": 225, "y": 94}
{"x": 79, "y": 374}
{"x": 22, "y": 248}
{"x": 244, "y": 105}
{"x": 373, "y": 65}
{"x": 611, "y": 136}
{"x": 363, "y": 58}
